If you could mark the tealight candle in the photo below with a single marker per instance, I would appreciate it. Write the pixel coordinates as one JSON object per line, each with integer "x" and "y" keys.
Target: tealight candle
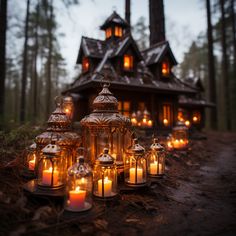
{"x": 107, "y": 185}
{"x": 77, "y": 199}
{"x": 139, "y": 175}
{"x": 47, "y": 177}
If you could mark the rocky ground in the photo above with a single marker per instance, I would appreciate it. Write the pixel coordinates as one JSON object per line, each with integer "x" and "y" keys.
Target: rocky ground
{"x": 196, "y": 197}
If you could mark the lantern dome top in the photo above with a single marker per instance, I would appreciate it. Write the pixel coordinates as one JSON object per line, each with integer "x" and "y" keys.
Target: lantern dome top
{"x": 156, "y": 146}
{"x": 51, "y": 149}
{"x": 105, "y": 101}
{"x": 137, "y": 148}
{"x": 32, "y": 147}
{"x": 80, "y": 168}
{"x": 67, "y": 99}
{"x": 105, "y": 158}
{"x": 180, "y": 126}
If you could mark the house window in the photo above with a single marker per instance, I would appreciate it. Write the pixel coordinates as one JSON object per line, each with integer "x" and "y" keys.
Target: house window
{"x": 118, "y": 31}
{"x": 124, "y": 108}
{"x": 165, "y": 68}
{"x": 108, "y": 32}
{"x": 166, "y": 109}
{"x": 196, "y": 117}
{"x": 128, "y": 62}
{"x": 85, "y": 64}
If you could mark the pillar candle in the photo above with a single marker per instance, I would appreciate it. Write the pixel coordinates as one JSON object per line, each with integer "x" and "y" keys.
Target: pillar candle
{"x": 139, "y": 175}
{"x": 77, "y": 199}
{"x": 107, "y": 187}
{"x": 47, "y": 177}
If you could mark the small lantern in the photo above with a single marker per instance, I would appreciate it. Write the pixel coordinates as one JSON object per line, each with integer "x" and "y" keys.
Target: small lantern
{"x": 105, "y": 176}
{"x": 79, "y": 187}
{"x": 51, "y": 168}
{"x": 169, "y": 142}
{"x": 30, "y": 158}
{"x": 134, "y": 119}
{"x": 136, "y": 166}
{"x": 180, "y": 136}
{"x": 156, "y": 159}
{"x": 68, "y": 106}
{"x": 146, "y": 116}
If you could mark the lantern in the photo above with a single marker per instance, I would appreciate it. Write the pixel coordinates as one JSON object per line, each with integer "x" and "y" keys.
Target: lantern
{"x": 59, "y": 129}
{"x": 135, "y": 166}
{"x": 134, "y": 119}
{"x": 156, "y": 159}
{"x": 180, "y": 136}
{"x": 68, "y": 106}
{"x": 106, "y": 128}
{"x": 79, "y": 187}
{"x": 105, "y": 176}
{"x": 51, "y": 168}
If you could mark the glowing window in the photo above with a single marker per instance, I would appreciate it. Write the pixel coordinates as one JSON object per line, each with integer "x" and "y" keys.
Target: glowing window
{"x": 196, "y": 117}
{"x": 118, "y": 31}
{"x": 166, "y": 115}
{"x": 85, "y": 64}
{"x": 165, "y": 70}
{"x": 128, "y": 62}
{"x": 124, "y": 107}
{"x": 108, "y": 32}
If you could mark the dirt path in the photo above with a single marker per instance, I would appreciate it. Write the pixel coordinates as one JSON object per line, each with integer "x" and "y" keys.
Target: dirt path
{"x": 205, "y": 205}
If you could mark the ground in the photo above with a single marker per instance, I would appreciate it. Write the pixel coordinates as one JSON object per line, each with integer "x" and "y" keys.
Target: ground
{"x": 196, "y": 197}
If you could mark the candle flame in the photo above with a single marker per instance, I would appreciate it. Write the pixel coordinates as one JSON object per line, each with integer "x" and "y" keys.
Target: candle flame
{"x": 187, "y": 123}
{"x": 77, "y": 189}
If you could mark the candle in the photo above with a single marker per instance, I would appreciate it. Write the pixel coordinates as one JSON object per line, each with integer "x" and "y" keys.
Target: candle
{"x": 47, "y": 177}
{"x": 107, "y": 184}
{"x": 139, "y": 175}
{"x": 77, "y": 199}
{"x": 153, "y": 168}
{"x": 32, "y": 164}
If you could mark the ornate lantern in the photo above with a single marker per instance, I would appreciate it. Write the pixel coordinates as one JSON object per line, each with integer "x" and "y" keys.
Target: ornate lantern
{"x": 51, "y": 168}
{"x": 68, "y": 106}
{"x": 180, "y": 136}
{"x": 79, "y": 186}
{"x": 134, "y": 119}
{"x": 106, "y": 128}
{"x": 105, "y": 176}
{"x": 136, "y": 166}
{"x": 59, "y": 129}
{"x": 156, "y": 159}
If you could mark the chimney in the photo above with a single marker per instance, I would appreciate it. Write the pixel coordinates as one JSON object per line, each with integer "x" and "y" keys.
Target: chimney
{"x": 127, "y": 11}
{"x": 156, "y": 21}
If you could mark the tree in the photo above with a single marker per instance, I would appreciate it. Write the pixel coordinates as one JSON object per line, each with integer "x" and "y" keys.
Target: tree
{"x": 211, "y": 68}
{"x": 3, "y": 31}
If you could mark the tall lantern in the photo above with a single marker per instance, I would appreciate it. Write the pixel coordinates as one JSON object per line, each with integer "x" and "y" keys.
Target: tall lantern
{"x": 180, "y": 136}
{"x": 105, "y": 176}
{"x": 51, "y": 168}
{"x": 136, "y": 166}
{"x": 79, "y": 187}
{"x": 59, "y": 129}
{"x": 106, "y": 128}
{"x": 156, "y": 159}
{"x": 68, "y": 106}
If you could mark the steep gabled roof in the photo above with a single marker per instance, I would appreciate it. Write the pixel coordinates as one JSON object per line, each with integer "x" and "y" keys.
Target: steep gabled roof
{"x": 195, "y": 83}
{"x": 114, "y": 18}
{"x": 91, "y": 48}
{"x": 156, "y": 52}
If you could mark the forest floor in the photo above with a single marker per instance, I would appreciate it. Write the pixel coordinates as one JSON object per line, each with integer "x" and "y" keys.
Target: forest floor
{"x": 197, "y": 196}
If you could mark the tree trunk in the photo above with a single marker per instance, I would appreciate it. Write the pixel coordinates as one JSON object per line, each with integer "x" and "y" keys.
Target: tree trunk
{"x": 225, "y": 74}
{"x": 24, "y": 68}
{"x": 49, "y": 62}
{"x": 3, "y": 31}
{"x": 211, "y": 68}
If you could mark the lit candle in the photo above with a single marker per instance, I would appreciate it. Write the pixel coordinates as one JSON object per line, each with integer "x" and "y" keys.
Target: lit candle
{"x": 150, "y": 123}
{"x": 107, "y": 184}
{"x": 77, "y": 199}
{"x": 153, "y": 168}
{"x": 139, "y": 175}
{"x": 160, "y": 169}
{"x": 32, "y": 164}
{"x": 47, "y": 177}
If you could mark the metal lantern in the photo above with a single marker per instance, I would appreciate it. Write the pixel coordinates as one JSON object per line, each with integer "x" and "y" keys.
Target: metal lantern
{"x": 79, "y": 187}
{"x": 156, "y": 159}
{"x": 134, "y": 120}
{"x": 68, "y": 106}
{"x": 30, "y": 158}
{"x": 59, "y": 129}
{"x": 136, "y": 166}
{"x": 180, "y": 136}
{"x": 51, "y": 168}
{"x": 105, "y": 176}
{"x": 106, "y": 128}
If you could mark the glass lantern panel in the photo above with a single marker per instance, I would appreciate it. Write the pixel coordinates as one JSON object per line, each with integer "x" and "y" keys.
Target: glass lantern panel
{"x": 30, "y": 161}
{"x": 102, "y": 142}
{"x": 156, "y": 163}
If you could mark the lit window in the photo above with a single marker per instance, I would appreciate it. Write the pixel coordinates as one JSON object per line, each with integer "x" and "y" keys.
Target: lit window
{"x": 165, "y": 69}
{"x": 166, "y": 115}
{"x": 85, "y": 64}
{"x": 124, "y": 108}
{"x": 108, "y": 33}
{"x": 118, "y": 31}
{"x": 128, "y": 62}
{"x": 196, "y": 117}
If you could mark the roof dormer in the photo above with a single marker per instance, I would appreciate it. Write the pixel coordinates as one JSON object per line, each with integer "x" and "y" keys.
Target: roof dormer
{"x": 114, "y": 26}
